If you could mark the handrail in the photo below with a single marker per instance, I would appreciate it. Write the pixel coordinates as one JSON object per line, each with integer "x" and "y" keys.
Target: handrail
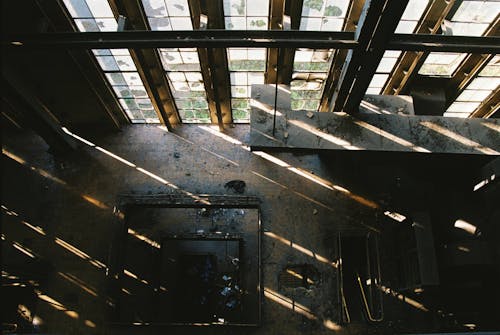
{"x": 365, "y": 303}
{"x": 344, "y": 305}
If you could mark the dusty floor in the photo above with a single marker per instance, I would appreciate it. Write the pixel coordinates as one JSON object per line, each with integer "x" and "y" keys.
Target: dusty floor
{"x": 58, "y": 219}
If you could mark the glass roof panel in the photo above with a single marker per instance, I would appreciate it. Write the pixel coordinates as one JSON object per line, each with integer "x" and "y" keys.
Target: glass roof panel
{"x": 478, "y": 90}
{"x": 407, "y": 25}
{"x": 117, "y": 64}
{"x": 472, "y": 18}
{"x": 246, "y": 65}
{"x": 310, "y": 66}
{"x": 441, "y": 64}
{"x": 168, "y": 14}
{"x": 181, "y": 65}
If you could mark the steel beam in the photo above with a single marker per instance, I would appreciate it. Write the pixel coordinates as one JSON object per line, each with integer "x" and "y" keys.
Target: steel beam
{"x": 293, "y": 11}
{"x": 444, "y": 43}
{"x": 386, "y": 26}
{"x": 20, "y": 95}
{"x": 275, "y": 23}
{"x": 245, "y": 39}
{"x": 217, "y": 82}
{"x": 148, "y": 64}
{"x": 377, "y": 23}
{"x": 350, "y": 24}
{"x": 205, "y": 56}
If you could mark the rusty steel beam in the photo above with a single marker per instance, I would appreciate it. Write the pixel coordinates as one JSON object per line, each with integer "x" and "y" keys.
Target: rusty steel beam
{"x": 387, "y": 23}
{"x": 377, "y": 24}
{"x": 489, "y": 106}
{"x": 350, "y": 24}
{"x": 148, "y": 64}
{"x": 206, "y": 61}
{"x": 214, "y": 38}
{"x": 217, "y": 67}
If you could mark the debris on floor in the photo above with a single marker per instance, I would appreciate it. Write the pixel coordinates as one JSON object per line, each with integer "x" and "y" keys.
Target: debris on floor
{"x": 238, "y": 186}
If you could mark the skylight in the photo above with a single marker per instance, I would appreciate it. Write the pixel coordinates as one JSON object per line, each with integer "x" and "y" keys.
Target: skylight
{"x": 181, "y": 65}
{"x": 407, "y": 25}
{"x": 186, "y": 83}
{"x": 246, "y": 65}
{"x": 311, "y": 66}
{"x": 472, "y": 18}
{"x": 117, "y": 64}
{"x": 485, "y": 84}
{"x": 168, "y": 15}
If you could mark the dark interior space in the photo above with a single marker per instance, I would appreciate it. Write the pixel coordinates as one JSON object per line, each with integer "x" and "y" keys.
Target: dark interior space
{"x": 250, "y": 167}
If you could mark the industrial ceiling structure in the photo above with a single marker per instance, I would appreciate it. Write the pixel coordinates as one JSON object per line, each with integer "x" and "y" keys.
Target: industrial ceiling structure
{"x": 274, "y": 166}
{"x": 221, "y": 48}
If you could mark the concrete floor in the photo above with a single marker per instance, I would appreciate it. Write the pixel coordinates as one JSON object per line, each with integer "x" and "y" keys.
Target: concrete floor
{"x": 60, "y": 210}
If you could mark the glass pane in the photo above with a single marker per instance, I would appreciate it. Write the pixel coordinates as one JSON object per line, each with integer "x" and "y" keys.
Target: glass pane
{"x": 99, "y": 8}
{"x": 386, "y": 65}
{"x": 117, "y": 64}
{"x": 477, "y": 11}
{"x": 178, "y": 8}
{"x": 463, "y": 107}
{"x": 77, "y": 8}
{"x": 379, "y": 80}
{"x": 116, "y": 78}
{"x": 181, "y": 23}
{"x": 473, "y": 95}
{"x": 107, "y": 63}
{"x": 414, "y": 10}
{"x": 132, "y": 78}
{"x": 441, "y": 64}
{"x": 154, "y": 8}
{"x": 406, "y": 27}
{"x": 160, "y": 23}
{"x": 484, "y": 83}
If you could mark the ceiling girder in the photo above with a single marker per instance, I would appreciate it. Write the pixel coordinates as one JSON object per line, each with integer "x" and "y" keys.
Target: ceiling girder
{"x": 245, "y": 39}
{"x": 206, "y": 64}
{"x": 149, "y": 65}
{"x": 377, "y": 23}
{"x": 23, "y": 98}
{"x": 350, "y": 24}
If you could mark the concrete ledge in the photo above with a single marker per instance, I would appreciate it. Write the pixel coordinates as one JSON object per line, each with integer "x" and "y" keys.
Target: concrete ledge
{"x": 387, "y": 125}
